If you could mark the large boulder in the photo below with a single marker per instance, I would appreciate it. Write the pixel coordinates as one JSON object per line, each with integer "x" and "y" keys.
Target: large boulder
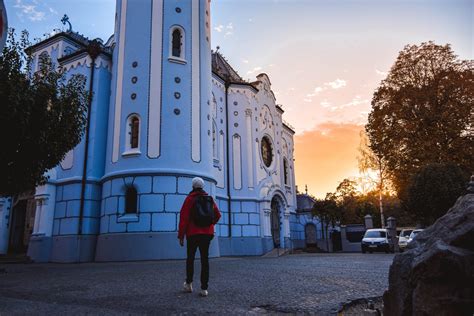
{"x": 435, "y": 276}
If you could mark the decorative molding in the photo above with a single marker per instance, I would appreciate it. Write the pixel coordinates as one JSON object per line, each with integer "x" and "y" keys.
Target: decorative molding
{"x": 156, "y": 78}
{"x": 118, "y": 90}
{"x": 196, "y": 84}
{"x": 237, "y": 161}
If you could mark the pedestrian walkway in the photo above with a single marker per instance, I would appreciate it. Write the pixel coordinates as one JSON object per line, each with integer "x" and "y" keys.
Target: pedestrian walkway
{"x": 306, "y": 283}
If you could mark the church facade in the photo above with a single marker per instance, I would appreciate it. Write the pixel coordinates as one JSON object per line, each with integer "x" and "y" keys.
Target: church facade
{"x": 165, "y": 109}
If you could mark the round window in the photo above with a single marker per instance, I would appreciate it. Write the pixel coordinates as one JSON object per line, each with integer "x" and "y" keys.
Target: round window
{"x": 267, "y": 154}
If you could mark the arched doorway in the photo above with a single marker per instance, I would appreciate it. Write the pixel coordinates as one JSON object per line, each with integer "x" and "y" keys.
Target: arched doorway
{"x": 275, "y": 222}
{"x": 310, "y": 235}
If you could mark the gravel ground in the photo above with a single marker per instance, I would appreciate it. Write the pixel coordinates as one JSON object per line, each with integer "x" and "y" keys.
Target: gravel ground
{"x": 301, "y": 284}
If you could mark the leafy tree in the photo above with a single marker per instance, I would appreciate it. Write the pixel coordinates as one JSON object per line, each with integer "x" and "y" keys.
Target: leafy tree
{"x": 328, "y": 212}
{"x": 434, "y": 189}
{"x": 42, "y": 117}
{"x": 422, "y": 113}
{"x": 370, "y": 163}
{"x": 346, "y": 199}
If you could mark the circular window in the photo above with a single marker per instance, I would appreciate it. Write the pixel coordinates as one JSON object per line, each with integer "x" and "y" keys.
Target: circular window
{"x": 267, "y": 151}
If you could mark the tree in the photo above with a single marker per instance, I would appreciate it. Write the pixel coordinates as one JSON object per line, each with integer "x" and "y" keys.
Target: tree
{"x": 433, "y": 190}
{"x": 422, "y": 113}
{"x": 346, "y": 199}
{"x": 328, "y": 212}
{"x": 42, "y": 117}
{"x": 369, "y": 163}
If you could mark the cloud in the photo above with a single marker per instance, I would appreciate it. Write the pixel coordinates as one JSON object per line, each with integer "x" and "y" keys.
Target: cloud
{"x": 228, "y": 29}
{"x": 315, "y": 92}
{"x": 30, "y": 11}
{"x": 336, "y": 84}
{"x": 325, "y": 155}
{"x": 53, "y": 11}
{"x": 254, "y": 70}
{"x": 245, "y": 61}
{"x": 308, "y": 100}
{"x": 325, "y": 104}
{"x": 357, "y": 100}
{"x": 381, "y": 73}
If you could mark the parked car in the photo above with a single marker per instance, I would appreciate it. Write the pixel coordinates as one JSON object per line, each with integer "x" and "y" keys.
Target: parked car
{"x": 413, "y": 235}
{"x": 376, "y": 240}
{"x": 403, "y": 239}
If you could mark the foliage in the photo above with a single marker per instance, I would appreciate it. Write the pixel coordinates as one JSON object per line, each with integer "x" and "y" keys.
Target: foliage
{"x": 433, "y": 190}
{"x": 422, "y": 113}
{"x": 42, "y": 117}
{"x": 348, "y": 206}
{"x": 328, "y": 212}
{"x": 369, "y": 163}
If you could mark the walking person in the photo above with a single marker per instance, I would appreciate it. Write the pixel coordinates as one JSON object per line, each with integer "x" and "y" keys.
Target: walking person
{"x": 198, "y": 216}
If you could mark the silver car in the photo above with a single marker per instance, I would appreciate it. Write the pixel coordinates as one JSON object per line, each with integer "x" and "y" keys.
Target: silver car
{"x": 413, "y": 234}
{"x": 403, "y": 239}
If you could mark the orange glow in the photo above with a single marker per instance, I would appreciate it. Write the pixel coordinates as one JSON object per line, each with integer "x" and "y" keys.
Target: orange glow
{"x": 325, "y": 156}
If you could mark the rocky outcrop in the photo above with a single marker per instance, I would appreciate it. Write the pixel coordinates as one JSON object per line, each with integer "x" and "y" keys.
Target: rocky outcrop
{"x": 436, "y": 275}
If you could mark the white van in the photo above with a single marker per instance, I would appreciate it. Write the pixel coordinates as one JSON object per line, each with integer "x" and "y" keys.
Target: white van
{"x": 376, "y": 240}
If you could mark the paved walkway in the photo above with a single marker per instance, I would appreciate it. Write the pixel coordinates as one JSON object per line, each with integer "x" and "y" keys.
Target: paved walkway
{"x": 303, "y": 283}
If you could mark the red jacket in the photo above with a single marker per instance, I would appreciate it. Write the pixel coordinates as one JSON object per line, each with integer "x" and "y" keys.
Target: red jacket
{"x": 186, "y": 226}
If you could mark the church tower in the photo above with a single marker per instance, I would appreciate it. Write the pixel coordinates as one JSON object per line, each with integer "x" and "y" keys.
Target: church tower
{"x": 159, "y": 131}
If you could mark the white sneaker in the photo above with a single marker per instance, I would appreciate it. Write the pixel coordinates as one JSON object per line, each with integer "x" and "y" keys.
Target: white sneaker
{"x": 204, "y": 293}
{"x": 188, "y": 287}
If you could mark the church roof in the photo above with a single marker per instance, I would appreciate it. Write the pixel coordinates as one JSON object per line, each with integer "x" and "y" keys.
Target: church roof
{"x": 77, "y": 38}
{"x": 304, "y": 203}
{"x": 223, "y": 69}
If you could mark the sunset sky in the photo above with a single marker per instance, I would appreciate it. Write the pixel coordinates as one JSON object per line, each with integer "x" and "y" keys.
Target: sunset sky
{"x": 324, "y": 58}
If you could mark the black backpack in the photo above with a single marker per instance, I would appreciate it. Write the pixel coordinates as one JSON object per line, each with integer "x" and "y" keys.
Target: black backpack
{"x": 202, "y": 213}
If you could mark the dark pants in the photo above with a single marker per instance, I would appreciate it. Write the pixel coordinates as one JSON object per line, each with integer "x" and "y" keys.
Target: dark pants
{"x": 202, "y": 242}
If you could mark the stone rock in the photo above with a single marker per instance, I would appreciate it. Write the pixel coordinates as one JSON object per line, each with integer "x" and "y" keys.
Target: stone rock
{"x": 435, "y": 276}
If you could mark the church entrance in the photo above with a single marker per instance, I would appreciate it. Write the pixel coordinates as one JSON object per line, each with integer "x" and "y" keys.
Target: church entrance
{"x": 310, "y": 235}
{"x": 275, "y": 222}
{"x": 22, "y": 222}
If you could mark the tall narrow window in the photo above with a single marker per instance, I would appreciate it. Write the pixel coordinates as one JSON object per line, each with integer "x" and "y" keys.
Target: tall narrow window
{"x": 214, "y": 141}
{"x": 285, "y": 171}
{"x": 131, "y": 200}
{"x": 176, "y": 43}
{"x": 134, "y": 132}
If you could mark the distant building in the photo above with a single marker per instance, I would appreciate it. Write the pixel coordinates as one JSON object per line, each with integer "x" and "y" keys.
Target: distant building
{"x": 165, "y": 109}
{"x": 306, "y": 229}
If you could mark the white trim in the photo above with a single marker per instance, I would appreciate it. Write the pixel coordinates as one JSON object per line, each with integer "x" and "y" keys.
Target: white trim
{"x": 128, "y": 217}
{"x": 154, "y": 107}
{"x": 237, "y": 161}
{"x": 128, "y": 136}
{"x": 182, "y": 56}
{"x": 196, "y": 87}
{"x": 118, "y": 92}
{"x": 132, "y": 152}
{"x": 215, "y": 141}
{"x": 248, "y": 123}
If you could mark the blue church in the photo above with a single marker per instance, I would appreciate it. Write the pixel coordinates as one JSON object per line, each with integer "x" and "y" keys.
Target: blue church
{"x": 165, "y": 109}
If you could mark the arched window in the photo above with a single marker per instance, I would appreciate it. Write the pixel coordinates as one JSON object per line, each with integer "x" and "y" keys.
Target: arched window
{"x": 176, "y": 43}
{"x": 131, "y": 200}
{"x": 132, "y": 136}
{"x": 134, "y": 132}
{"x": 285, "y": 170}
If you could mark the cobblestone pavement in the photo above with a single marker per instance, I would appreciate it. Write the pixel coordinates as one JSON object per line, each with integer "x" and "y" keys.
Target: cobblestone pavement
{"x": 301, "y": 284}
